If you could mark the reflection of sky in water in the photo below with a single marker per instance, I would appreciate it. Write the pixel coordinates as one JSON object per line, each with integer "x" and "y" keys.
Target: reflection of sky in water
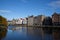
{"x": 26, "y": 33}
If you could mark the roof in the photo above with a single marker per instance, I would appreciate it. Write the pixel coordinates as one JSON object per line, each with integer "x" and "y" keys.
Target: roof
{"x": 56, "y": 14}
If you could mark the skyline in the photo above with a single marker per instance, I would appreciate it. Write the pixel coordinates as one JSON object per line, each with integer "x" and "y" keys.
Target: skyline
{"x": 22, "y": 8}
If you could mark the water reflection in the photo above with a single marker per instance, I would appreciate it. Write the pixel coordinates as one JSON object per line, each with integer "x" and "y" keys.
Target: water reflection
{"x": 29, "y": 33}
{"x": 3, "y": 33}
{"x": 32, "y": 33}
{"x": 56, "y": 35}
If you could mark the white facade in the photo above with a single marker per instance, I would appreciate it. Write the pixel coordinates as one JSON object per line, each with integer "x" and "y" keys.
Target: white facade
{"x": 24, "y": 21}
{"x": 19, "y": 21}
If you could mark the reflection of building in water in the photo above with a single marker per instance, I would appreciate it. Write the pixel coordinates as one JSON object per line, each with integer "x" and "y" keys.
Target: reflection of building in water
{"x": 30, "y": 31}
{"x": 34, "y": 31}
{"x": 17, "y": 28}
{"x": 3, "y": 34}
{"x": 56, "y": 35}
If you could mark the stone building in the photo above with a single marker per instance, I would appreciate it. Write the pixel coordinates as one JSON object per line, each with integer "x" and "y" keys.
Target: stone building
{"x": 9, "y": 22}
{"x": 30, "y": 20}
{"x": 19, "y": 21}
{"x": 13, "y": 21}
{"x": 56, "y": 19}
{"x": 38, "y": 20}
{"x": 47, "y": 21}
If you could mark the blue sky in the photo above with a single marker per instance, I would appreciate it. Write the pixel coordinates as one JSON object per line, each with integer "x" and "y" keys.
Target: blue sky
{"x": 23, "y": 8}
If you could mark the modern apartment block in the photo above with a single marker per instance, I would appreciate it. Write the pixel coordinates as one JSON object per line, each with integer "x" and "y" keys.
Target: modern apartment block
{"x": 56, "y": 19}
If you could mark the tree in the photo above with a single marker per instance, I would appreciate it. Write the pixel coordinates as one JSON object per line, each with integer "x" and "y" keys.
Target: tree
{"x": 3, "y": 21}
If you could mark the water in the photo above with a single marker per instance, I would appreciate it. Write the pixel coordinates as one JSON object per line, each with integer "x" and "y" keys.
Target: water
{"x": 25, "y": 33}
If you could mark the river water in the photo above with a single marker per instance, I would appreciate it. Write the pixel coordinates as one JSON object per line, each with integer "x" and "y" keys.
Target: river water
{"x": 27, "y": 33}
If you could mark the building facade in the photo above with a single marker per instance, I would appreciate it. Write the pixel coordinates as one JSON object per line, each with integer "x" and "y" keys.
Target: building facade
{"x": 30, "y": 20}
{"x": 19, "y": 21}
{"x": 38, "y": 20}
{"x": 56, "y": 19}
{"x": 24, "y": 21}
{"x": 9, "y": 22}
{"x": 13, "y": 21}
{"x": 47, "y": 21}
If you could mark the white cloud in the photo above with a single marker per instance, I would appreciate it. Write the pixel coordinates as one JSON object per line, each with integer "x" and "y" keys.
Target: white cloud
{"x": 4, "y": 11}
{"x": 55, "y": 4}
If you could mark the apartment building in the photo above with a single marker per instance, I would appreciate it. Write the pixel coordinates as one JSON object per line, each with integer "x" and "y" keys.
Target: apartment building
{"x": 38, "y": 20}
{"x": 30, "y": 20}
{"x": 56, "y": 19}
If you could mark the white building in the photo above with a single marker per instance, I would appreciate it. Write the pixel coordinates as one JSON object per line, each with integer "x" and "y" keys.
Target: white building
{"x": 24, "y": 21}
{"x": 19, "y": 21}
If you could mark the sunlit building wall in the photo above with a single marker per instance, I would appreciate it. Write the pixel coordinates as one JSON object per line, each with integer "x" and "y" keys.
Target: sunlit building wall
{"x": 30, "y": 20}
{"x": 56, "y": 19}
{"x": 38, "y": 20}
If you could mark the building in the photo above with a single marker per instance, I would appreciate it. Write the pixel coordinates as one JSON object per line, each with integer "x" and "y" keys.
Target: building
{"x": 38, "y": 20}
{"x": 19, "y": 21}
{"x": 24, "y": 21}
{"x": 47, "y": 21}
{"x": 13, "y": 21}
{"x": 30, "y": 20}
{"x": 9, "y": 22}
{"x": 56, "y": 19}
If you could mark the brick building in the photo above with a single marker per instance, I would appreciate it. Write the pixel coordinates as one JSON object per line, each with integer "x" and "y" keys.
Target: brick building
{"x": 56, "y": 19}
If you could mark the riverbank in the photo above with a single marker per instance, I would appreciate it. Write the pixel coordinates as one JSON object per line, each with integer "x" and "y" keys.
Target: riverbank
{"x": 25, "y": 25}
